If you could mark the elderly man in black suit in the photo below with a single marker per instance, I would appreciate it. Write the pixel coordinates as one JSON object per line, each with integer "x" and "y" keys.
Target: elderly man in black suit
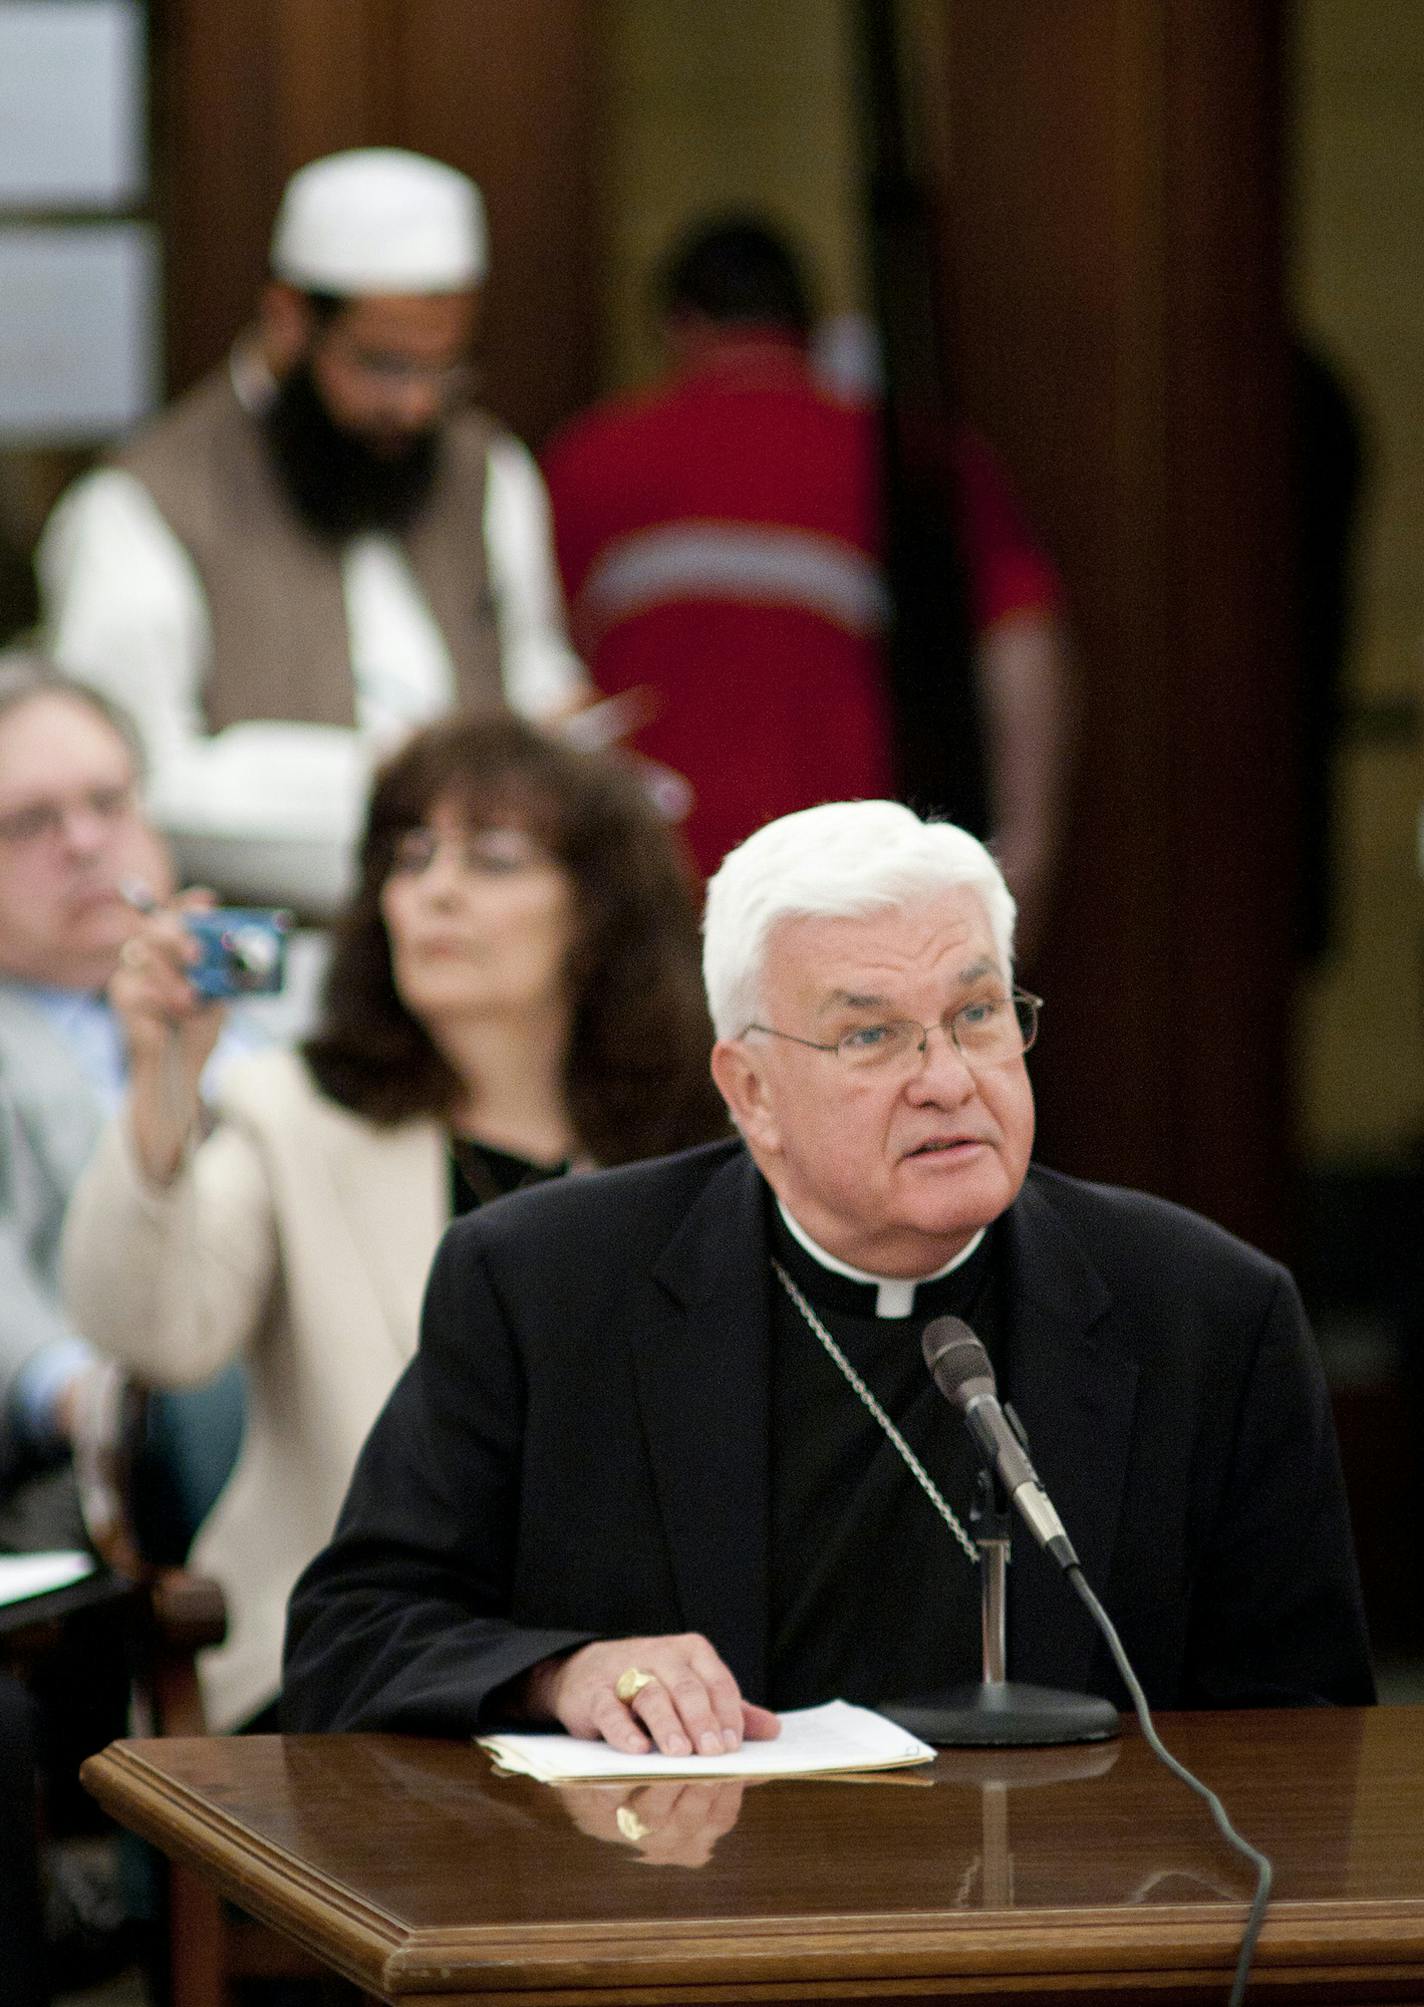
{"x": 632, "y": 1483}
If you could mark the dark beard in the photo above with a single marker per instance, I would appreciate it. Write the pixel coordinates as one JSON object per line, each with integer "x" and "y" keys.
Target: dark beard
{"x": 337, "y": 484}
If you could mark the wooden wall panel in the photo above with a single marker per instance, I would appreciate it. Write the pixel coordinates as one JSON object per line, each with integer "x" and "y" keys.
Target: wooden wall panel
{"x": 1114, "y": 242}
{"x": 335, "y": 76}
{"x": 1229, "y": 611}
{"x": 509, "y": 91}
{"x": 218, "y": 168}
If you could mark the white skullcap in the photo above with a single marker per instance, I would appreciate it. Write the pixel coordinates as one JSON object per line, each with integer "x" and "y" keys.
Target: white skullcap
{"x": 380, "y": 220}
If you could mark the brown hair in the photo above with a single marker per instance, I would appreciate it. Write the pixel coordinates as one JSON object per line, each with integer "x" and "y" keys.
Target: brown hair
{"x": 636, "y": 1073}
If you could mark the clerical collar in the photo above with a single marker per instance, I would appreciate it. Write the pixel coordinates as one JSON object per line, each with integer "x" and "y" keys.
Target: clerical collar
{"x": 894, "y": 1294}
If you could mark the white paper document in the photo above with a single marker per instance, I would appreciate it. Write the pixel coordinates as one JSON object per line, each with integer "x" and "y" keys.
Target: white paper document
{"x": 25, "y": 1575}
{"x": 814, "y": 1741}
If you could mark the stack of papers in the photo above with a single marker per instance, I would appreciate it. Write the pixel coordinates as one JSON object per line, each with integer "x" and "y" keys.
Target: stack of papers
{"x": 814, "y": 1741}
{"x": 26, "y": 1575}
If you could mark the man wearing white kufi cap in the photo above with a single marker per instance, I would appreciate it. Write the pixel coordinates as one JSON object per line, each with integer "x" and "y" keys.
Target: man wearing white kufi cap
{"x": 380, "y": 221}
{"x": 320, "y": 546}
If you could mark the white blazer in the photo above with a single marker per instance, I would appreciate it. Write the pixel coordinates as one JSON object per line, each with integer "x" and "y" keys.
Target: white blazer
{"x": 299, "y": 1235}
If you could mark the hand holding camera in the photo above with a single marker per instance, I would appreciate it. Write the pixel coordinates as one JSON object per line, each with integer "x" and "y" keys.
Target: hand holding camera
{"x": 176, "y": 972}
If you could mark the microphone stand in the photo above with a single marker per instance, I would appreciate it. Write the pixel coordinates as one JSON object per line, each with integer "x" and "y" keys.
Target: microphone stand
{"x": 999, "y": 1712}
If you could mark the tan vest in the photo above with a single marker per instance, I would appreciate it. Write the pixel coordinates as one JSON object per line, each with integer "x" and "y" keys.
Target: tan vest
{"x": 274, "y": 588}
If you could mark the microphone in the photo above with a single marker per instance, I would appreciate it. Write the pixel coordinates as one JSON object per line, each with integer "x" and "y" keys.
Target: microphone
{"x": 964, "y": 1374}
{"x": 961, "y": 1369}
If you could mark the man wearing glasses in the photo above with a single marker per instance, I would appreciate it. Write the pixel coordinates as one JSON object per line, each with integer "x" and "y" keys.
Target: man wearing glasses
{"x": 72, "y": 833}
{"x": 76, "y": 850}
{"x": 322, "y": 545}
{"x": 638, "y": 1481}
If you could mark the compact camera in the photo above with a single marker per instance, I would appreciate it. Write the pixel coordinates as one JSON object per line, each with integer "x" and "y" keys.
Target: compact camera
{"x": 242, "y": 951}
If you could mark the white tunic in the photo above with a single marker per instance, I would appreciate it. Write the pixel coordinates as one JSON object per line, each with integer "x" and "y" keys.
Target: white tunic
{"x": 270, "y": 809}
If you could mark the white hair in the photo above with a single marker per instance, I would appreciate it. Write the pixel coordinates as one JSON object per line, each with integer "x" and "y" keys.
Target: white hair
{"x": 839, "y": 861}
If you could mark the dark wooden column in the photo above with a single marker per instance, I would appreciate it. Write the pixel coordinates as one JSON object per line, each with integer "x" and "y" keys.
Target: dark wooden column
{"x": 247, "y": 90}
{"x": 1114, "y": 237}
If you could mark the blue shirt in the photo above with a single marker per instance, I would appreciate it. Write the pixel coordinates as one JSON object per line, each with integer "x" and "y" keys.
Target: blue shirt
{"x": 88, "y": 1025}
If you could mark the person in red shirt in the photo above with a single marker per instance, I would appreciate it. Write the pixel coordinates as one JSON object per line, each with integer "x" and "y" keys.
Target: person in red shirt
{"x": 719, "y": 538}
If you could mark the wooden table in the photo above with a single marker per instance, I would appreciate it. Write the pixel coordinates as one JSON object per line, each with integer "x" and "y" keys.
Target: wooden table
{"x": 416, "y": 1871}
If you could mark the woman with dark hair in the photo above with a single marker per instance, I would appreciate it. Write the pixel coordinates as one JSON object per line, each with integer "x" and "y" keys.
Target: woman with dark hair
{"x": 513, "y": 993}
{"x": 628, "y": 1067}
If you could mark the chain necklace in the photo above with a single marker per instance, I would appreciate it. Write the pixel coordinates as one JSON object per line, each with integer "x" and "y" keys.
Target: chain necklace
{"x": 917, "y": 1469}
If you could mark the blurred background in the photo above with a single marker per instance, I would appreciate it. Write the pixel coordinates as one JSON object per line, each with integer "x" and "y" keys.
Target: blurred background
{"x": 1165, "y": 253}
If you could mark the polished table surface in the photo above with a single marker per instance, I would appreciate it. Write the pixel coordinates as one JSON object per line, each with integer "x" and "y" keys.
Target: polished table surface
{"x": 418, "y": 1871}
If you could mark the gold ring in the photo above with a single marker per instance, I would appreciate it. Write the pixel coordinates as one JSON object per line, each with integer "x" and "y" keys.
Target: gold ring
{"x": 630, "y": 1825}
{"x": 631, "y": 1683}
{"x": 131, "y": 954}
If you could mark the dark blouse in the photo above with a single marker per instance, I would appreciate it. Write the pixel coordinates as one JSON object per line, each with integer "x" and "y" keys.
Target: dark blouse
{"x": 479, "y": 1173}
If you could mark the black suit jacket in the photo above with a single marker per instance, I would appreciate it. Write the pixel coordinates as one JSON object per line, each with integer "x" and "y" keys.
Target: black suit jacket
{"x": 22, "y": 1951}
{"x": 580, "y": 1449}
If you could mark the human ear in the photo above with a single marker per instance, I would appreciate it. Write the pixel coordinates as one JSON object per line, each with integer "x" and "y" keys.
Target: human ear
{"x": 285, "y": 323}
{"x": 742, "y": 1085}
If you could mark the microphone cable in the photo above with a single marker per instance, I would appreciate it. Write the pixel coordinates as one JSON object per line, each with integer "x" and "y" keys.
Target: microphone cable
{"x": 968, "y": 1369}
{"x": 964, "y": 1373}
{"x": 1256, "y": 1916}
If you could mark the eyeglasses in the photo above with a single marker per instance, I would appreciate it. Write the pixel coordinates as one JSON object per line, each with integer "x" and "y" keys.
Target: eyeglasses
{"x": 42, "y": 823}
{"x": 988, "y": 1032}
{"x": 394, "y": 372}
{"x": 483, "y": 853}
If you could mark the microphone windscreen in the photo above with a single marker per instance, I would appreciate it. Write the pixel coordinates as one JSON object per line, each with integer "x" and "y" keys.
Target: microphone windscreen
{"x": 957, "y": 1360}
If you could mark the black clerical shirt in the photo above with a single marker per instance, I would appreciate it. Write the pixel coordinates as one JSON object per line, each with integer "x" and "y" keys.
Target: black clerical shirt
{"x": 872, "y": 1597}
